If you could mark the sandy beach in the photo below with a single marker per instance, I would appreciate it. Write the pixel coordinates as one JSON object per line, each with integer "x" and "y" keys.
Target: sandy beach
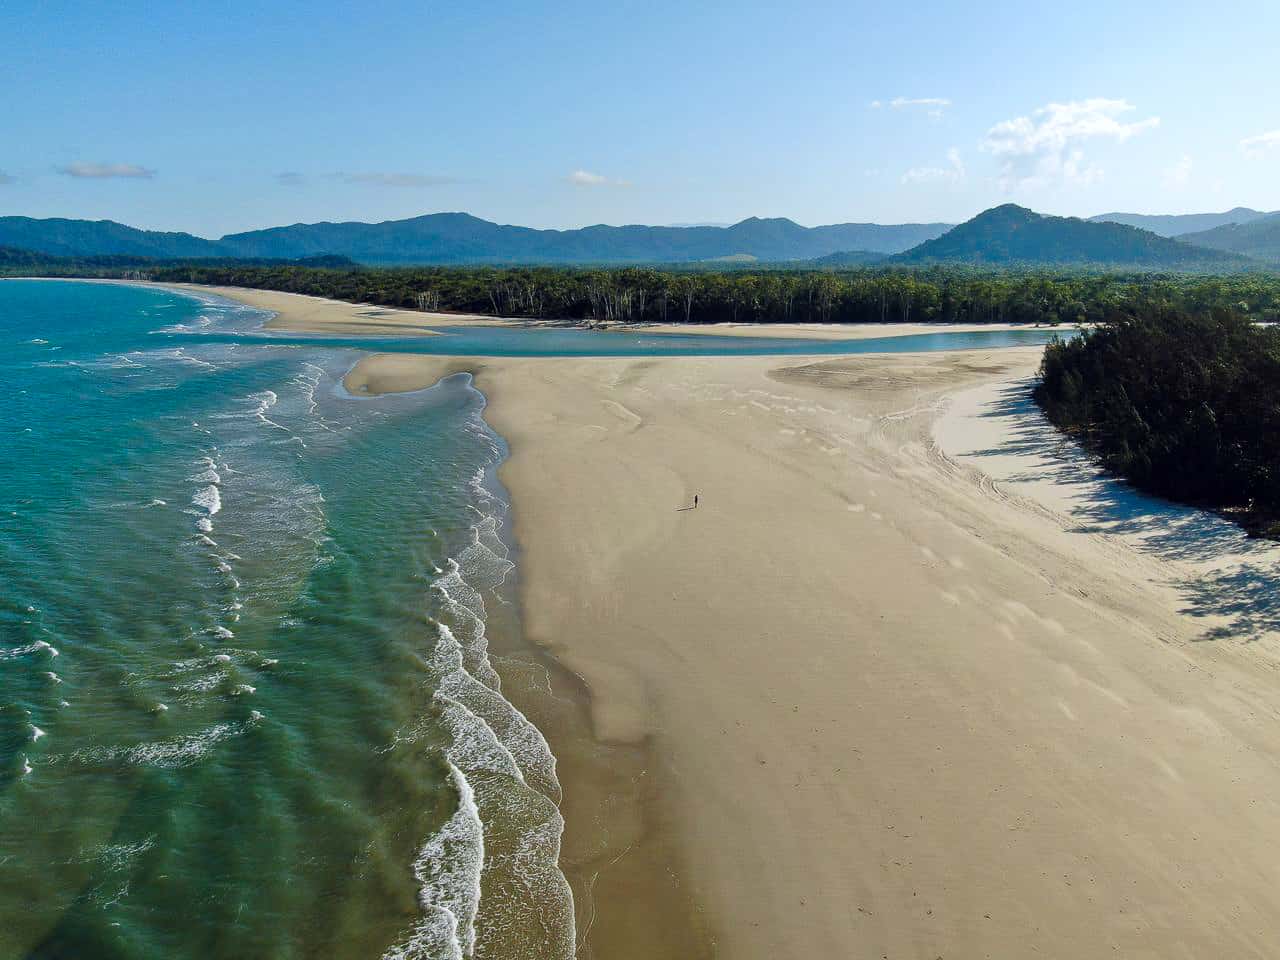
{"x": 299, "y": 313}
{"x": 879, "y": 705}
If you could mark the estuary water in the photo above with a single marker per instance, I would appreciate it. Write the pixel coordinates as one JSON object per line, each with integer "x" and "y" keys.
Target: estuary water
{"x": 248, "y": 701}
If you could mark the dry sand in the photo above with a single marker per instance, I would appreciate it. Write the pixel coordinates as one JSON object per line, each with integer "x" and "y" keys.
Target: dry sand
{"x": 299, "y": 313}
{"x": 889, "y": 709}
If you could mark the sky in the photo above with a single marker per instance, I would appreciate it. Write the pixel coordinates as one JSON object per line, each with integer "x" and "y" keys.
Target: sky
{"x": 218, "y": 117}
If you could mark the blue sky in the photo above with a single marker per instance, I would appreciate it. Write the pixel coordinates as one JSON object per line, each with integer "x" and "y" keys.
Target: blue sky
{"x": 222, "y": 117}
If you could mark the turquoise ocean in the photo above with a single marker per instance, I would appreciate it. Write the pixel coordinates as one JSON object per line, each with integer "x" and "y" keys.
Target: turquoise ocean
{"x": 248, "y": 701}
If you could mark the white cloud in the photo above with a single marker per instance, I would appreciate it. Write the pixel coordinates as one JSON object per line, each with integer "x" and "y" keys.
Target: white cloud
{"x": 1259, "y": 145}
{"x": 107, "y": 171}
{"x": 935, "y": 105}
{"x": 582, "y": 178}
{"x": 936, "y": 102}
{"x": 1046, "y": 146}
{"x": 1178, "y": 175}
{"x": 396, "y": 179}
{"x": 954, "y": 172}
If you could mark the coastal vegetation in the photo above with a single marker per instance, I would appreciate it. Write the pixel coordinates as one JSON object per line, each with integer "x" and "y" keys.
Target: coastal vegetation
{"x": 1183, "y": 405}
{"x": 862, "y": 295}
{"x": 712, "y": 293}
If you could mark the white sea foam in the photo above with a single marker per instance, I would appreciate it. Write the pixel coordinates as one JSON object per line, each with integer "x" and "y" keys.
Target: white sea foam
{"x": 504, "y": 772}
{"x": 524, "y": 743}
{"x": 36, "y": 733}
{"x": 222, "y": 633}
{"x": 205, "y": 525}
{"x": 448, "y": 869}
{"x": 26, "y": 765}
{"x": 182, "y": 751}
{"x": 22, "y": 651}
{"x": 466, "y": 607}
{"x": 208, "y": 499}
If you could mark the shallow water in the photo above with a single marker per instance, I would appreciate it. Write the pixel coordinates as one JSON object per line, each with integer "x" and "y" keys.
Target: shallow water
{"x": 247, "y": 707}
{"x": 245, "y": 702}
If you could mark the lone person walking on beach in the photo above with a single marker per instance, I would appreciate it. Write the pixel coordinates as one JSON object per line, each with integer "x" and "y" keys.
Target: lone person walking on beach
{"x": 695, "y": 501}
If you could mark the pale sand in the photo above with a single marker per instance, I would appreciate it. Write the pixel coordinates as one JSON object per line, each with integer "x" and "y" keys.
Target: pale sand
{"x": 299, "y": 313}
{"x": 890, "y": 709}
{"x": 893, "y": 710}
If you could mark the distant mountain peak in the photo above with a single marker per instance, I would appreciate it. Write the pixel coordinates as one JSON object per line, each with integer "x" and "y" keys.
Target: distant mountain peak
{"x": 1012, "y": 234}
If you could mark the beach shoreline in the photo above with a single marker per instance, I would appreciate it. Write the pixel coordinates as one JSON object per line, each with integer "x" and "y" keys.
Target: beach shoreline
{"x": 303, "y": 313}
{"x": 875, "y": 702}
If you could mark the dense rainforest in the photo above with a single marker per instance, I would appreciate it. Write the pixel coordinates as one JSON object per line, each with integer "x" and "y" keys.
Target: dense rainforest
{"x": 1183, "y": 405}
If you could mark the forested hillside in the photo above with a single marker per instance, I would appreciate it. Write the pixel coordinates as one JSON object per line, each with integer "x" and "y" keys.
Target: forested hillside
{"x": 95, "y": 238}
{"x": 1010, "y": 234}
{"x": 1259, "y": 239}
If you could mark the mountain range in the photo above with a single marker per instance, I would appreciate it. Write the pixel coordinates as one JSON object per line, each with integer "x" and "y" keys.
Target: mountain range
{"x": 1178, "y": 225}
{"x": 457, "y": 238}
{"x": 1004, "y": 235}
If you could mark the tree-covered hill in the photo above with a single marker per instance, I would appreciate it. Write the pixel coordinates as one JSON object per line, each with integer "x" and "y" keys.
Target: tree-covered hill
{"x": 1259, "y": 239}
{"x": 95, "y": 238}
{"x": 1011, "y": 234}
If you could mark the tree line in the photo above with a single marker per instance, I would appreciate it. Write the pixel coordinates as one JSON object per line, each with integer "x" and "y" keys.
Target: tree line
{"x": 714, "y": 293}
{"x": 1183, "y": 405}
{"x": 865, "y": 295}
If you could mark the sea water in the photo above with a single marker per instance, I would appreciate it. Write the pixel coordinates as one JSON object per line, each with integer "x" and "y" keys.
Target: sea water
{"x": 247, "y": 707}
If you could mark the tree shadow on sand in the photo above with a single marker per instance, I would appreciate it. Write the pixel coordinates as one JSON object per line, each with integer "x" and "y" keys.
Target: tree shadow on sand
{"x": 1246, "y": 593}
